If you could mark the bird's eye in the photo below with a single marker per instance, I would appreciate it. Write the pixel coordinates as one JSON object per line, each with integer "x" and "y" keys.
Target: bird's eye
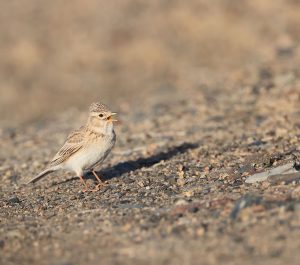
{"x": 101, "y": 115}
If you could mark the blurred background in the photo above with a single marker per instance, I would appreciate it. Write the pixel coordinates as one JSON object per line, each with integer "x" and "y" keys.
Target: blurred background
{"x": 57, "y": 55}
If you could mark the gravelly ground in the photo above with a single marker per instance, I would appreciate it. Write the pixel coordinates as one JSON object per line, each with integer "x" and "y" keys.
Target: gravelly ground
{"x": 176, "y": 191}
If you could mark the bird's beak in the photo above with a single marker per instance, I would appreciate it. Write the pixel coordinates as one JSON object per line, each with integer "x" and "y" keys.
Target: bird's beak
{"x": 110, "y": 117}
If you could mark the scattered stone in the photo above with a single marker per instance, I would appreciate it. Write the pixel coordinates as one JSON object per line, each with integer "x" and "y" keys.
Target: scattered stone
{"x": 246, "y": 201}
{"x": 286, "y": 178}
{"x": 296, "y": 193}
{"x": 263, "y": 176}
{"x": 2, "y": 244}
{"x": 14, "y": 199}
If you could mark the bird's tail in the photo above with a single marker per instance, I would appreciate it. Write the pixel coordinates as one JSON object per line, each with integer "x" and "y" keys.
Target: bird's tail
{"x": 41, "y": 175}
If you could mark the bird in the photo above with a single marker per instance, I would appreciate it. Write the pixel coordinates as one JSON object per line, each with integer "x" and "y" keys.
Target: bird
{"x": 85, "y": 148}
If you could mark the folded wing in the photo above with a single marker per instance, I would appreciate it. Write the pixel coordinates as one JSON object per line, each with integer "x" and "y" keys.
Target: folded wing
{"x": 72, "y": 145}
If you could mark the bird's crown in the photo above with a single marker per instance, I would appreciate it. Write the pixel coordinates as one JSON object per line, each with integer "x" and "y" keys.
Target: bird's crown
{"x": 98, "y": 107}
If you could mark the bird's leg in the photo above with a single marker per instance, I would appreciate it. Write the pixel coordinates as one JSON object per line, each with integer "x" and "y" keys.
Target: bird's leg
{"x": 101, "y": 183}
{"x": 97, "y": 177}
{"x": 84, "y": 183}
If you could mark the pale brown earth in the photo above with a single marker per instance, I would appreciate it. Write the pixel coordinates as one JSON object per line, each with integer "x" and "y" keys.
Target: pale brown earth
{"x": 208, "y": 93}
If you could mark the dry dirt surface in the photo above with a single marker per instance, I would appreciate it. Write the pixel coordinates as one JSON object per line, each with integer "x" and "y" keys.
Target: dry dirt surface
{"x": 208, "y": 93}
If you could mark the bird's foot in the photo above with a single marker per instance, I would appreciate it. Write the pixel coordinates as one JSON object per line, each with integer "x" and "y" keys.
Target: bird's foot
{"x": 98, "y": 187}
{"x": 86, "y": 189}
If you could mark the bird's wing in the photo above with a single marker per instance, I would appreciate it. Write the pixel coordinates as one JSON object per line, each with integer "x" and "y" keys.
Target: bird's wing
{"x": 73, "y": 144}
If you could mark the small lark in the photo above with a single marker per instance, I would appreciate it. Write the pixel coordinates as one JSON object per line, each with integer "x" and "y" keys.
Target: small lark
{"x": 86, "y": 147}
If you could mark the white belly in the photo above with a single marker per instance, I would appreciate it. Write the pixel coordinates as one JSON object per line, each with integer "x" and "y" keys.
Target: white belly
{"x": 87, "y": 157}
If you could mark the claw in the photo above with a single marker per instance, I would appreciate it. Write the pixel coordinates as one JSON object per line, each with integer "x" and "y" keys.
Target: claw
{"x": 98, "y": 187}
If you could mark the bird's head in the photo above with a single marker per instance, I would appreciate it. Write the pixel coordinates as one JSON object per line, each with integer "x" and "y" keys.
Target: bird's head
{"x": 101, "y": 118}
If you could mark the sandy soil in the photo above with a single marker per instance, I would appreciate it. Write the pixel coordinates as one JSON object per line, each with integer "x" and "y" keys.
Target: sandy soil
{"x": 207, "y": 94}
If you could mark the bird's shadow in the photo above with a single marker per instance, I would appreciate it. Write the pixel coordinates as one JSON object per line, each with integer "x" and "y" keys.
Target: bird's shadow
{"x": 131, "y": 165}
